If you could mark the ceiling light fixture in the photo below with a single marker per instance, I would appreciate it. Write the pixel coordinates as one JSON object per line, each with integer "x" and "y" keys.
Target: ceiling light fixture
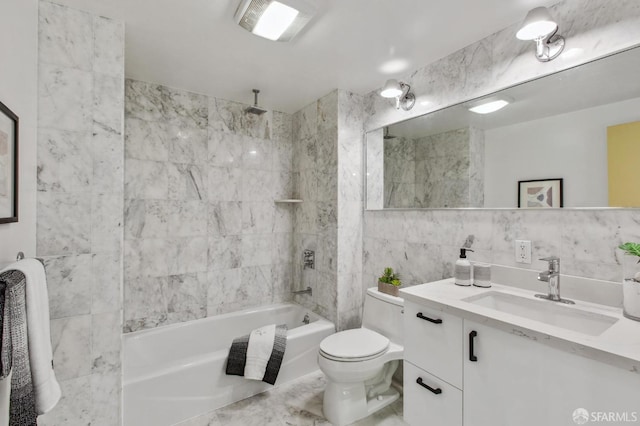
{"x": 401, "y": 91}
{"x": 489, "y": 105}
{"x": 274, "y": 20}
{"x": 540, "y": 27}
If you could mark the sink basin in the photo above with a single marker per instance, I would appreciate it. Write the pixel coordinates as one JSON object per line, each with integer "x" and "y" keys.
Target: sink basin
{"x": 552, "y": 313}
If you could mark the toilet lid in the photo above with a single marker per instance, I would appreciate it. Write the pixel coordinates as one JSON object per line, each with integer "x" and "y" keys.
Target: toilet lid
{"x": 352, "y": 344}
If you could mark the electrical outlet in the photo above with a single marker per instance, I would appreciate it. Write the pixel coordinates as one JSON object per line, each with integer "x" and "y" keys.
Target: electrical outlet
{"x": 523, "y": 251}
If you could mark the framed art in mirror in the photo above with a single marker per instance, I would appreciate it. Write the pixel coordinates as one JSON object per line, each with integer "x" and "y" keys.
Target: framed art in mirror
{"x": 8, "y": 165}
{"x": 540, "y": 194}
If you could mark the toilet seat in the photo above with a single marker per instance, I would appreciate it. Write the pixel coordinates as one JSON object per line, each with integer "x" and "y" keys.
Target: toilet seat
{"x": 355, "y": 345}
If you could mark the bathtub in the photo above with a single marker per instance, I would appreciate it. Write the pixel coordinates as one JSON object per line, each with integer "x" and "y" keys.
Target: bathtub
{"x": 177, "y": 372}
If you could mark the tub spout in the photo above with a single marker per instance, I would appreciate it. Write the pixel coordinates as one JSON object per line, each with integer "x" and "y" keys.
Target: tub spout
{"x": 308, "y": 290}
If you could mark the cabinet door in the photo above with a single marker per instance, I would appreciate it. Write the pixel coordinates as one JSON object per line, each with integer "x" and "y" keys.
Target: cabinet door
{"x": 517, "y": 381}
{"x": 433, "y": 342}
{"x": 429, "y": 401}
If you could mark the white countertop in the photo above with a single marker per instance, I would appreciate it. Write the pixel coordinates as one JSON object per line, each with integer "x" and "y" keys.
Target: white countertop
{"x": 619, "y": 345}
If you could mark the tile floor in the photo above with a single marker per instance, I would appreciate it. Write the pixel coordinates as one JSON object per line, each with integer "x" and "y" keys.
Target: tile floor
{"x": 296, "y": 404}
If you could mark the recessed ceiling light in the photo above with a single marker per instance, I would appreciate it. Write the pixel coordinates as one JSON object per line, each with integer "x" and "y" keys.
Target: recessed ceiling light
{"x": 274, "y": 20}
{"x": 489, "y": 106}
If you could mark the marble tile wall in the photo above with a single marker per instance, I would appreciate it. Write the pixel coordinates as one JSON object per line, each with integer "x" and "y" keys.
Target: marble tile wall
{"x": 79, "y": 207}
{"x": 399, "y": 172}
{"x": 203, "y": 235}
{"x": 423, "y": 244}
{"x": 327, "y": 164}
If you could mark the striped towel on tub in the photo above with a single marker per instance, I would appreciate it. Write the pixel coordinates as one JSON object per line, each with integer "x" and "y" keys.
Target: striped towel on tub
{"x": 258, "y": 356}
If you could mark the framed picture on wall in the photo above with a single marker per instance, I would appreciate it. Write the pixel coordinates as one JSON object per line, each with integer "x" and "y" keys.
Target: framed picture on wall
{"x": 8, "y": 165}
{"x": 542, "y": 193}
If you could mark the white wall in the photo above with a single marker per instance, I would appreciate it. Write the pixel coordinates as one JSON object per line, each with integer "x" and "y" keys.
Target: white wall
{"x": 572, "y": 146}
{"x": 18, "y": 91}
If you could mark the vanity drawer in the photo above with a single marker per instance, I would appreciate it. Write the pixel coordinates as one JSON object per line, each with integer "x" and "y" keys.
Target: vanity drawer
{"x": 439, "y": 406}
{"x": 433, "y": 342}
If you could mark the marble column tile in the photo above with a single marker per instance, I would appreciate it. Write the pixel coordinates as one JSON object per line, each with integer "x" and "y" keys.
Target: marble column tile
{"x": 256, "y": 284}
{"x": 224, "y": 184}
{"x": 225, "y": 287}
{"x": 105, "y": 342}
{"x": 106, "y": 223}
{"x": 308, "y": 185}
{"x": 306, "y": 121}
{"x": 257, "y": 185}
{"x": 74, "y": 408}
{"x": 131, "y": 260}
{"x": 186, "y": 181}
{"x": 71, "y": 341}
{"x": 108, "y": 98}
{"x": 256, "y": 249}
{"x": 282, "y": 155}
{"x": 65, "y": 98}
{"x": 69, "y": 284}
{"x": 225, "y": 149}
{"x": 105, "y": 399}
{"x": 327, "y": 296}
{"x": 106, "y": 283}
{"x": 327, "y": 253}
{"x": 187, "y": 218}
{"x": 146, "y": 140}
{"x": 187, "y": 144}
{"x": 108, "y": 46}
{"x": 327, "y": 184}
{"x": 258, "y": 217}
{"x": 225, "y": 252}
{"x": 230, "y": 117}
{"x": 304, "y": 220}
{"x": 187, "y": 292}
{"x": 146, "y": 180}
{"x": 65, "y": 37}
{"x": 257, "y": 153}
{"x": 108, "y": 162}
{"x": 282, "y": 127}
{"x": 225, "y": 218}
{"x": 143, "y": 297}
{"x": 64, "y": 161}
{"x": 184, "y": 108}
{"x": 186, "y": 255}
{"x": 64, "y": 224}
{"x": 143, "y": 101}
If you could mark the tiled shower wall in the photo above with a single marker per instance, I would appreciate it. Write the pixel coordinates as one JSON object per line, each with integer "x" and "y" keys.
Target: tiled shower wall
{"x": 328, "y": 178}
{"x": 79, "y": 207}
{"x": 423, "y": 244}
{"x": 203, "y": 235}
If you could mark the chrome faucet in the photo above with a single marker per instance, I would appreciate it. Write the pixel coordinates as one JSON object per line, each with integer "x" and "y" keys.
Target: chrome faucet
{"x": 308, "y": 291}
{"x": 552, "y": 276}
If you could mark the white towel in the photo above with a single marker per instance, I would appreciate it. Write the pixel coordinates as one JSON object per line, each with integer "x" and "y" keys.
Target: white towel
{"x": 45, "y": 386}
{"x": 5, "y": 393}
{"x": 259, "y": 351}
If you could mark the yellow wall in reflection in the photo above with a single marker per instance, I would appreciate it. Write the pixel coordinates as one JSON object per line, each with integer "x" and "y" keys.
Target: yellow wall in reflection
{"x": 623, "y": 153}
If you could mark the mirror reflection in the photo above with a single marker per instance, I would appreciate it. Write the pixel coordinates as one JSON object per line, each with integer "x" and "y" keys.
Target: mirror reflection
{"x": 571, "y": 139}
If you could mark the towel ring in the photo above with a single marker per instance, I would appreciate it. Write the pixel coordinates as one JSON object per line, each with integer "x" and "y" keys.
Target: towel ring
{"x": 20, "y": 256}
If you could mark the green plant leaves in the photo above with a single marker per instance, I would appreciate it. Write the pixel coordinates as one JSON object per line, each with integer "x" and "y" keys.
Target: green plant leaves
{"x": 630, "y": 248}
{"x": 390, "y": 277}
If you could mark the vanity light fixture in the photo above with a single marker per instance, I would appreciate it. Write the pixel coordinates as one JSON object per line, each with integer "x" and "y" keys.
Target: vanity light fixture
{"x": 540, "y": 27}
{"x": 489, "y": 105}
{"x": 401, "y": 91}
{"x": 274, "y": 20}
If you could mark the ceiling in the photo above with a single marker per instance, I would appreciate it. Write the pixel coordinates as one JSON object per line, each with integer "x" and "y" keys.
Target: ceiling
{"x": 351, "y": 44}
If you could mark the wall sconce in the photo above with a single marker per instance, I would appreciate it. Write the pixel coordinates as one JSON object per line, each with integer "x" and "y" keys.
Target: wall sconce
{"x": 540, "y": 27}
{"x": 401, "y": 91}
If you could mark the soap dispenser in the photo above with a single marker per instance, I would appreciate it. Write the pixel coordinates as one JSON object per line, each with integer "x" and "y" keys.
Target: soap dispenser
{"x": 462, "y": 273}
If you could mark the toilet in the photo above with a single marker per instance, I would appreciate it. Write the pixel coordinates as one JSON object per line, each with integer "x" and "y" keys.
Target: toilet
{"x": 359, "y": 363}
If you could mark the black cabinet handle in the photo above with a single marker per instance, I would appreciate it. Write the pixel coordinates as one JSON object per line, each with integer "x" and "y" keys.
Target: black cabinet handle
{"x": 472, "y": 356}
{"x": 435, "y": 321}
{"x": 437, "y": 391}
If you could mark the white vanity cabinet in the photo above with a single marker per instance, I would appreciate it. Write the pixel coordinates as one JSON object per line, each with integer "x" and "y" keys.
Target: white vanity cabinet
{"x": 490, "y": 377}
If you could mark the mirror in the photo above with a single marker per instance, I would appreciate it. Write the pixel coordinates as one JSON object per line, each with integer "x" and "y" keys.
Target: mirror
{"x": 571, "y": 139}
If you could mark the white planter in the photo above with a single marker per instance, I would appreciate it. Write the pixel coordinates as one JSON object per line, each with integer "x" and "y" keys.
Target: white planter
{"x": 631, "y": 288}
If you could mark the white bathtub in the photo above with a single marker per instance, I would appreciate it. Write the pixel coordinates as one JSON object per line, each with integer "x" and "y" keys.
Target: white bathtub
{"x": 177, "y": 372}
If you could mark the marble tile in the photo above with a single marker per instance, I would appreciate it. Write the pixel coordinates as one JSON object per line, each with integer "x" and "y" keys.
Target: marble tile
{"x": 225, "y": 218}
{"x": 187, "y": 144}
{"x": 256, "y": 284}
{"x": 186, "y": 255}
{"x": 225, "y": 287}
{"x": 65, "y": 98}
{"x": 106, "y": 223}
{"x": 144, "y": 297}
{"x": 230, "y": 117}
{"x": 105, "y": 399}
{"x": 108, "y": 98}
{"x": 144, "y": 101}
{"x": 146, "y": 218}
{"x": 257, "y": 153}
{"x": 106, "y": 283}
{"x": 69, "y": 283}
{"x": 256, "y": 249}
{"x": 63, "y": 224}
{"x": 65, "y": 37}
{"x": 105, "y": 342}
{"x": 187, "y": 218}
{"x": 108, "y": 162}
{"x": 65, "y": 162}
{"x": 225, "y": 184}
{"x": 225, "y": 252}
{"x": 184, "y": 108}
{"x": 146, "y": 140}
{"x": 257, "y": 185}
{"x": 186, "y": 181}
{"x": 108, "y": 47}
{"x": 225, "y": 149}
{"x": 74, "y": 408}
{"x": 187, "y": 292}
{"x": 71, "y": 343}
{"x": 258, "y": 217}
{"x": 282, "y": 127}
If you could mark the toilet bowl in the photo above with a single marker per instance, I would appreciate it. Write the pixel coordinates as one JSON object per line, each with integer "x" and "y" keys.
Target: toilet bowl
{"x": 359, "y": 363}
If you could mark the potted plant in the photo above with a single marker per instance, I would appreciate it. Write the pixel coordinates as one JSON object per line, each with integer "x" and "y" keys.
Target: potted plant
{"x": 631, "y": 280}
{"x": 389, "y": 282}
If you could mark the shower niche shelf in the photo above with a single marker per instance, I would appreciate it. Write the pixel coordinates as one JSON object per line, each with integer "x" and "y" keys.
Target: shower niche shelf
{"x": 288, "y": 201}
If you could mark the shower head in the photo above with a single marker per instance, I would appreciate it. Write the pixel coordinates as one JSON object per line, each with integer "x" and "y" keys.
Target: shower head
{"x": 255, "y": 109}
{"x": 387, "y": 136}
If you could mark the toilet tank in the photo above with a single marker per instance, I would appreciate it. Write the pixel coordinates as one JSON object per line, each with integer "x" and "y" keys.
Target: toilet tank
{"x": 383, "y": 313}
